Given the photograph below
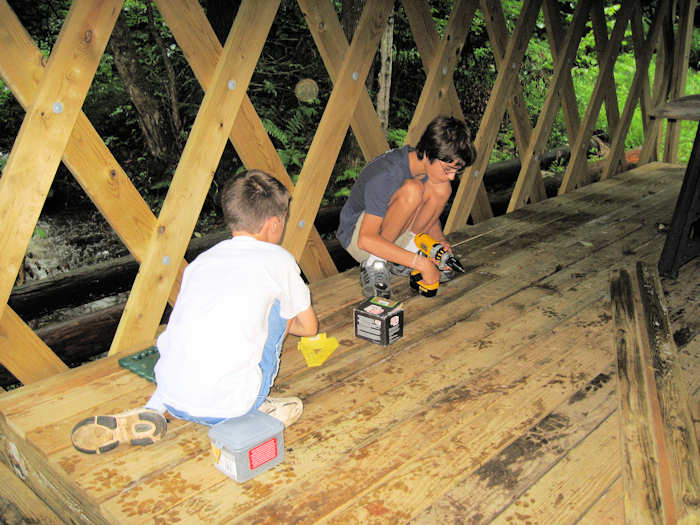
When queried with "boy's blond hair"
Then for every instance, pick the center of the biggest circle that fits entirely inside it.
(250, 198)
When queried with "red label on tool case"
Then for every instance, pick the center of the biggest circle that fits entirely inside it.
(263, 453)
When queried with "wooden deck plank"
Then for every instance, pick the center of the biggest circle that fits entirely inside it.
(456, 422)
(574, 484)
(608, 509)
(525, 460)
(485, 369)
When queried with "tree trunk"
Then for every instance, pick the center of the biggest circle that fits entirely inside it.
(171, 84)
(384, 80)
(153, 125)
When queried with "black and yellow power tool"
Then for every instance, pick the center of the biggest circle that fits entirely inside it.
(437, 253)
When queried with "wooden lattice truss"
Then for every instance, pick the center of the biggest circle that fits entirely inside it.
(55, 129)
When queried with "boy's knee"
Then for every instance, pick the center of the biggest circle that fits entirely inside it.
(442, 191)
(409, 195)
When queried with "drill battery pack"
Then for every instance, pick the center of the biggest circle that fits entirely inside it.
(426, 290)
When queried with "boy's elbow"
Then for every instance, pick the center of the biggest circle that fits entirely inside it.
(306, 324)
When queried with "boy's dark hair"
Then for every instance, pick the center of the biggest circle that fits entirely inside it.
(251, 197)
(447, 139)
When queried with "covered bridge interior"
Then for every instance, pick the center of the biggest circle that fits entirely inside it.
(520, 393)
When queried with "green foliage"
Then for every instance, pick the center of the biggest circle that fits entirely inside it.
(396, 137)
(291, 140)
(346, 180)
(40, 232)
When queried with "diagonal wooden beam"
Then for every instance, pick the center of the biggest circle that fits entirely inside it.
(322, 20)
(46, 129)
(662, 78)
(495, 109)
(86, 155)
(579, 148)
(428, 42)
(617, 146)
(638, 42)
(441, 70)
(23, 353)
(600, 33)
(538, 143)
(498, 31)
(28, 176)
(555, 33)
(684, 37)
(88, 159)
(201, 47)
(193, 174)
(334, 123)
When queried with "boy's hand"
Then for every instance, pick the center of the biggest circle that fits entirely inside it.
(429, 272)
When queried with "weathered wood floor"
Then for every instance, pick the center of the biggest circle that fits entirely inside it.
(498, 404)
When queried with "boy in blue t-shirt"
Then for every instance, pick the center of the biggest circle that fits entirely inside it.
(399, 194)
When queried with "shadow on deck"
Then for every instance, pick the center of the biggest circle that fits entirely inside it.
(497, 405)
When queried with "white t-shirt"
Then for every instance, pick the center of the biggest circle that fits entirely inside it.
(210, 350)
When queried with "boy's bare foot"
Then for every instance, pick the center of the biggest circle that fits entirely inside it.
(286, 409)
(100, 434)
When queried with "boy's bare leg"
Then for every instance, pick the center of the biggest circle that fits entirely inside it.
(434, 199)
(403, 208)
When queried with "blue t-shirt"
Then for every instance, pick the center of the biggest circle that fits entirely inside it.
(373, 190)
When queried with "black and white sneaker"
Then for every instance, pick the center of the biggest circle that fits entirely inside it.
(375, 279)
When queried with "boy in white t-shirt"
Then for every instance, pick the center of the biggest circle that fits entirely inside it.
(219, 354)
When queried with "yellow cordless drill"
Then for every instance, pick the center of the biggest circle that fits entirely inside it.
(437, 253)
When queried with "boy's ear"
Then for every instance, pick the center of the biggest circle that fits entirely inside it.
(272, 226)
